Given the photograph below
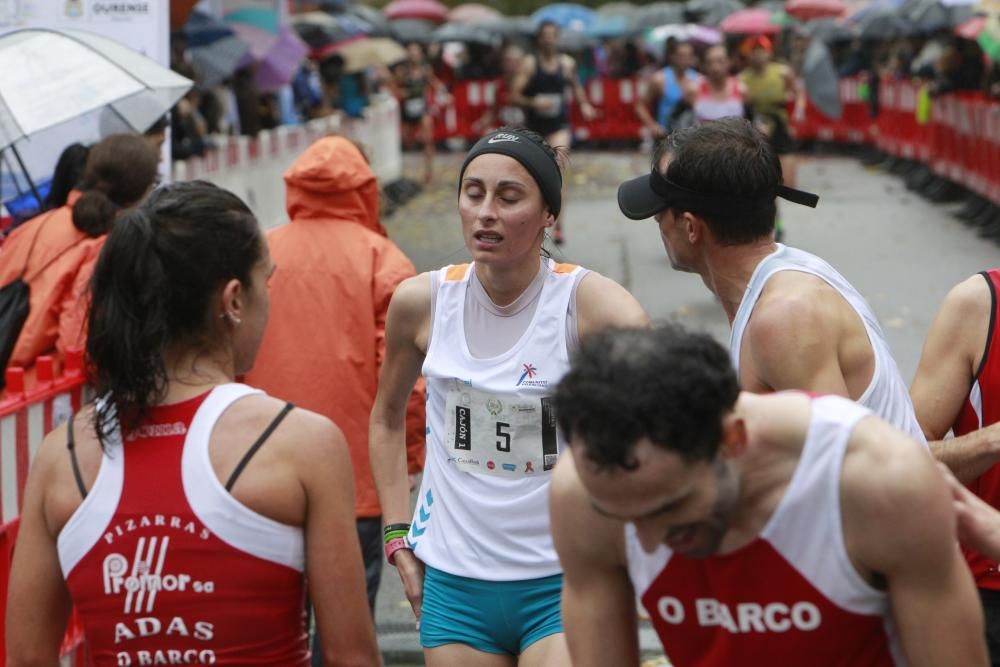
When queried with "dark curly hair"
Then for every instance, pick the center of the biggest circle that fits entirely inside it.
(665, 383)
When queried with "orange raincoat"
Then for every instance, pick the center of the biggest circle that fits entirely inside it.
(336, 271)
(57, 312)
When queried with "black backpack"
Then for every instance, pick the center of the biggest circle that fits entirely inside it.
(15, 299)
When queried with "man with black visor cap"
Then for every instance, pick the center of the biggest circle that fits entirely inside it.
(796, 322)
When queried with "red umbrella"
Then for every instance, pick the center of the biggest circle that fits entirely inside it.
(750, 22)
(473, 12)
(972, 28)
(429, 10)
(807, 10)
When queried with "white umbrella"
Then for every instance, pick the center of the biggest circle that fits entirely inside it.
(51, 80)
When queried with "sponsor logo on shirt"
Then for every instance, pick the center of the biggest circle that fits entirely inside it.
(158, 431)
(141, 582)
(527, 377)
(510, 467)
(491, 465)
(743, 617)
(528, 467)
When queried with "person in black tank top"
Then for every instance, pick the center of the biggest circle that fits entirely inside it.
(413, 78)
(540, 88)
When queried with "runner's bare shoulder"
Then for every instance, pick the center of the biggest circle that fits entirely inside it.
(570, 507)
(892, 496)
(410, 309)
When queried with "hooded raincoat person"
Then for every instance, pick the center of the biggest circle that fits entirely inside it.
(54, 258)
(324, 344)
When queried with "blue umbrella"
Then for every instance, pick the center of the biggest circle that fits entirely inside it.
(566, 15)
(607, 26)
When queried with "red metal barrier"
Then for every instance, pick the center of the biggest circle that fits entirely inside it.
(26, 416)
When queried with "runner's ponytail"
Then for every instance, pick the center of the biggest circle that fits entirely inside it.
(152, 288)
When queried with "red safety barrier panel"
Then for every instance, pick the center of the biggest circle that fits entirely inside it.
(26, 416)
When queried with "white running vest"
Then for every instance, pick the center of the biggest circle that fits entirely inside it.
(492, 439)
(887, 395)
(791, 596)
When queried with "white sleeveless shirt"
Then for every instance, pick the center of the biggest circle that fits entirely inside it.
(791, 596)
(492, 439)
(887, 394)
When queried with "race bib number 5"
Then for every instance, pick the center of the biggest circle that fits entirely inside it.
(501, 435)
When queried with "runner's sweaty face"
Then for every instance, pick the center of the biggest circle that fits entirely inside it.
(686, 505)
(502, 211)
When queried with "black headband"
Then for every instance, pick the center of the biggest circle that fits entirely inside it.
(542, 166)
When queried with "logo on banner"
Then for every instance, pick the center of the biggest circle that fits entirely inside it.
(120, 10)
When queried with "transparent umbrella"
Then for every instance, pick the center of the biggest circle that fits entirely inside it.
(55, 85)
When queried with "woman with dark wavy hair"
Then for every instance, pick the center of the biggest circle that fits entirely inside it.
(182, 513)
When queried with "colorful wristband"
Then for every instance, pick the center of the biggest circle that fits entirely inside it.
(396, 526)
(393, 546)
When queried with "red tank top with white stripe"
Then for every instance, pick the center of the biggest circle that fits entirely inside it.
(789, 597)
(982, 408)
(165, 567)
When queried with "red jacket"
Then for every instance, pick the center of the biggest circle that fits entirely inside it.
(336, 271)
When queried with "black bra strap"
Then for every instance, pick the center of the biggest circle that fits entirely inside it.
(71, 446)
(257, 445)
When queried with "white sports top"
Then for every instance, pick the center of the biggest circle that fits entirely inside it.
(887, 395)
(792, 595)
(492, 440)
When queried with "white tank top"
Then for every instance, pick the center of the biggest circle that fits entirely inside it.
(492, 440)
(708, 105)
(792, 596)
(886, 395)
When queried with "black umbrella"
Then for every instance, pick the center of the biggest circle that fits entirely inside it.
(884, 25)
(928, 16)
(710, 12)
(465, 33)
(510, 27)
(827, 31)
(411, 30)
(820, 79)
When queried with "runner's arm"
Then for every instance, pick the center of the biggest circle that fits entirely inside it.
(334, 567)
(899, 525)
(38, 602)
(646, 101)
(792, 344)
(602, 303)
(952, 353)
(406, 324)
(391, 268)
(520, 82)
(598, 602)
(569, 71)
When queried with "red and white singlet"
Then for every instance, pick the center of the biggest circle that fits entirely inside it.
(791, 596)
(165, 567)
(982, 408)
